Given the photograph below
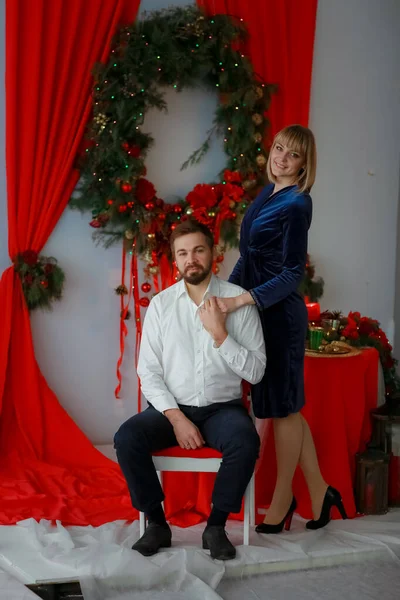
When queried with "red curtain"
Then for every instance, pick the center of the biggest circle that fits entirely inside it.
(48, 468)
(280, 47)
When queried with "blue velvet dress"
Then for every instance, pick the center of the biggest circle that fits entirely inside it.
(273, 254)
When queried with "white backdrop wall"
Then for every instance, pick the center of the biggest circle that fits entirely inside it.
(354, 113)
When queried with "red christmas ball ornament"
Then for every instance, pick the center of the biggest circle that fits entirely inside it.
(146, 287)
(162, 216)
(122, 208)
(126, 187)
(130, 204)
(177, 209)
(173, 226)
(95, 223)
(44, 284)
(149, 205)
(125, 146)
(134, 151)
(144, 302)
(233, 215)
(220, 258)
(110, 202)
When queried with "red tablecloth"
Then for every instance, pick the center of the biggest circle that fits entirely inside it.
(340, 392)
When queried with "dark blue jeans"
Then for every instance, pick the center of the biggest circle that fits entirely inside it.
(226, 427)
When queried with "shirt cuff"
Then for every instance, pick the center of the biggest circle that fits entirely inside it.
(164, 403)
(229, 348)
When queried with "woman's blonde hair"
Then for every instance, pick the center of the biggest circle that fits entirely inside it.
(301, 140)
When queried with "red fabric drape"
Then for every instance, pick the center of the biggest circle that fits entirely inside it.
(49, 469)
(280, 46)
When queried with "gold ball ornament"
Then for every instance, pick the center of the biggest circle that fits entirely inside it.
(249, 184)
(257, 137)
(257, 119)
(129, 234)
(211, 213)
(189, 211)
(261, 160)
(232, 204)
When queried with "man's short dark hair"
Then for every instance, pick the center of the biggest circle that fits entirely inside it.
(191, 226)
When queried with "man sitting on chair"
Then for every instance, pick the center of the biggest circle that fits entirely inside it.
(192, 360)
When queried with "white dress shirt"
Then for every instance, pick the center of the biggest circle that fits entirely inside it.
(179, 362)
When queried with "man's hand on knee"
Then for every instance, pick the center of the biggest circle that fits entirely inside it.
(186, 433)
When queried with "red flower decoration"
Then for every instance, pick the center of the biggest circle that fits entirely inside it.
(233, 192)
(145, 191)
(203, 196)
(201, 215)
(30, 257)
(232, 176)
(355, 316)
(134, 151)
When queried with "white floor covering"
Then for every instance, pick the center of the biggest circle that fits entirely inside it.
(355, 559)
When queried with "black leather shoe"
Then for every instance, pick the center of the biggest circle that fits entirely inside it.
(155, 537)
(332, 498)
(216, 540)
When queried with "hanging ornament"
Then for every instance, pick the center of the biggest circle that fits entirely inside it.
(161, 216)
(121, 290)
(151, 236)
(95, 223)
(146, 287)
(177, 209)
(257, 119)
(122, 208)
(257, 137)
(211, 213)
(110, 202)
(144, 302)
(125, 146)
(259, 92)
(129, 234)
(44, 283)
(173, 226)
(189, 211)
(261, 160)
(130, 204)
(126, 187)
(149, 205)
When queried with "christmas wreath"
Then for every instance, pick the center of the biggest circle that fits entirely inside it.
(42, 279)
(177, 47)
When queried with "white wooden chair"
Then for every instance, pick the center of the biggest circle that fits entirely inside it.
(203, 460)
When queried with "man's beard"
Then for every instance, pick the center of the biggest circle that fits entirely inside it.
(197, 277)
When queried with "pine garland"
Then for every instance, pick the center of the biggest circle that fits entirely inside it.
(178, 47)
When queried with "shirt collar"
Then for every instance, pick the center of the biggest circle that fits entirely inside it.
(212, 289)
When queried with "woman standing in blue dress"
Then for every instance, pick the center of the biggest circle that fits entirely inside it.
(273, 251)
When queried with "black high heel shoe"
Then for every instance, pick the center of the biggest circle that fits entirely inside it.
(332, 498)
(286, 521)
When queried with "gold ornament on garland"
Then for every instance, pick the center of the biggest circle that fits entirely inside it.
(129, 234)
(257, 137)
(259, 92)
(261, 160)
(257, 119)
(249, 184)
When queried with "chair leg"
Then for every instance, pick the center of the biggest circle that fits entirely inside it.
(246, 516)
(252, 501)
(142, 524)
(160, 479)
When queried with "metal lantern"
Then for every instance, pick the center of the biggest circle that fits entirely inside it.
(372, 481)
